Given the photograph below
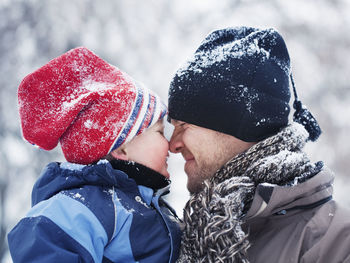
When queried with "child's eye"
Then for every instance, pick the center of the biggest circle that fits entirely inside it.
(161, 131)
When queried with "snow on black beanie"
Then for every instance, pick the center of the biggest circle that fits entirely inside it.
(237, 83)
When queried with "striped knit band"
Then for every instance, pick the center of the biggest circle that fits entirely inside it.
(147, 110)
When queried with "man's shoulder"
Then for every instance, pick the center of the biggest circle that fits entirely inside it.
(320, 234)
(327, 235)
(332, 215)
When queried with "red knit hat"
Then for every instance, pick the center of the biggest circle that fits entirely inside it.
(86, 104)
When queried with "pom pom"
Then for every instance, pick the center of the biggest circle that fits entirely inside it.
(303, 116)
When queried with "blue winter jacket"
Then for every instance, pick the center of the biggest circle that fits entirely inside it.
(95, 213)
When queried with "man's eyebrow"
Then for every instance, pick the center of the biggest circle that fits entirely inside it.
(178, 123)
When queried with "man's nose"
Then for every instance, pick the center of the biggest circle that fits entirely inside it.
(175, 144)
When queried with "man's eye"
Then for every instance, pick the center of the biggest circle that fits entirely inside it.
(182, 125)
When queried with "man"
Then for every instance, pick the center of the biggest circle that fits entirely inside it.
(255, 195)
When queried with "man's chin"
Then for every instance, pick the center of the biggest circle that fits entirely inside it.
(194, 188)
(194, 184)
(195, 178)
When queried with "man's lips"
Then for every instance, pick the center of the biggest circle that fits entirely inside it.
(188, 158)
(189, 163)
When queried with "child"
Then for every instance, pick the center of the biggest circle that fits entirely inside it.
(105, 204)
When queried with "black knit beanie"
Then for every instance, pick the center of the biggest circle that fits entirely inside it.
(237, 83)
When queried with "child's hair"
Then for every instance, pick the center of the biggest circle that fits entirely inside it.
(86, 104)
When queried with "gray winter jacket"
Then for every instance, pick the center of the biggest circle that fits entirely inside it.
(298, 223)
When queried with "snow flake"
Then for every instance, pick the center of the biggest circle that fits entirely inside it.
(263, 120)
(88, 124)
(87, 87)
(139, 200)
(285, 157)
(236, 49)
(242, 94)
(72, 166)
(103, 161)
(77, 195)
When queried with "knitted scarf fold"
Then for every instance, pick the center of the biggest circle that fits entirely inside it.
(214, 216)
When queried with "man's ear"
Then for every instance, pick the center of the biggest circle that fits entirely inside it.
(120, 154)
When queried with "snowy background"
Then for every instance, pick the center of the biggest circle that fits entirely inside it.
(149, 40)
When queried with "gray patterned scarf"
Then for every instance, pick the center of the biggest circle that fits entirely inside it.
(214, 216)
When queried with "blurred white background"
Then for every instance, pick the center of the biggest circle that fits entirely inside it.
(149, 40)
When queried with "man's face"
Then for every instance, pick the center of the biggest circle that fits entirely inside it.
(204, 151)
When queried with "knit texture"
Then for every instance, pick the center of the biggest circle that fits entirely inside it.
(214, 216)
(87, 105)
(237, 82)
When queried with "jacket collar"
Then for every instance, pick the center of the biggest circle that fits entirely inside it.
(62, 176)
(141, 174)
(272, 199)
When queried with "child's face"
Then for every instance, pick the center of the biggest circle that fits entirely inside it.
(150, 148)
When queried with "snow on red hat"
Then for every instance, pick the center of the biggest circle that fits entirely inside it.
(86, 104)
